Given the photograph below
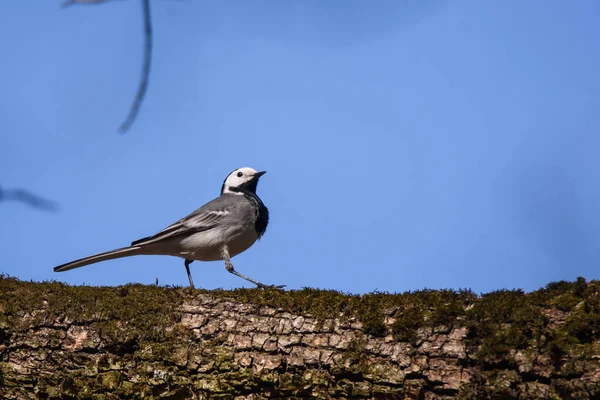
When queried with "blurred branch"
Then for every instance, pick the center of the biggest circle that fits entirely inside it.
(68, 3)
(143, 85)
(30, 199)
(141, 92)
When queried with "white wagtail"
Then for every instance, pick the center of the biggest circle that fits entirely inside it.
(219, 230)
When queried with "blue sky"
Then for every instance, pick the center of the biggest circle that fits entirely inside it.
(408, 144)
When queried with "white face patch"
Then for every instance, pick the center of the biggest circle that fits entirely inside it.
(237, 178)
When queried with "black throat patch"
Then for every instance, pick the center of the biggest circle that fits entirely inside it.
(248, 189)
(262, 213)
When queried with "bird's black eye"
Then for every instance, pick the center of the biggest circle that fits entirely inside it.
(240, 174)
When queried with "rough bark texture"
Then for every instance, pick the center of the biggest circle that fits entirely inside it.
(63, 342)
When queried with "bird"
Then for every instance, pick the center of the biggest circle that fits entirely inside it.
(219, 230)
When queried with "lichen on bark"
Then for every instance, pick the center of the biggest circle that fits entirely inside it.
(135, 341)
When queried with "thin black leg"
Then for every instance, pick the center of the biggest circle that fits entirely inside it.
(187, 268)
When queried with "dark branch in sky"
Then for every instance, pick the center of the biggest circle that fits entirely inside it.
(141, 92)
(68, 3)
(28, 198)
(143, 85)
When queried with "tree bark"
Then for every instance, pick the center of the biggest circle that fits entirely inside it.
(135, 341)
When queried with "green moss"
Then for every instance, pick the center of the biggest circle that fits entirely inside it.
(354, 355)
(389, 392)
(503, 320)
(316, 378)
(414, 309)
(242, 380)
(289, 383)
(373, 322)
(430, 308)
(223, 358)
(407, 322)
(147, 310)
(123, 317)
(109, 380)
(584, 323)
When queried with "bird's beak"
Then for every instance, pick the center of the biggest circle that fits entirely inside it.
(259, 174)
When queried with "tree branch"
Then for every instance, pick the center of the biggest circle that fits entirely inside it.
(143, 85)
(68, 3)
(28, 198)
(144, 341)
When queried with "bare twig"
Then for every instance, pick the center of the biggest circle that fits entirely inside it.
(141, 92)
(68, 3)
(143, 85)
(28, 198)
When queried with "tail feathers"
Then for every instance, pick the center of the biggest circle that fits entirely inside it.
(109, 255)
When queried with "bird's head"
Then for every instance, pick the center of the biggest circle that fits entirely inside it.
(241, 180)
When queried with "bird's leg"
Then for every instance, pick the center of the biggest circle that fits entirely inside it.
(187, 268)
(229, 268)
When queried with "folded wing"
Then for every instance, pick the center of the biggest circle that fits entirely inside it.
(200, 220)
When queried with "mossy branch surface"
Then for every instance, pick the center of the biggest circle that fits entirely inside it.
(135, 341)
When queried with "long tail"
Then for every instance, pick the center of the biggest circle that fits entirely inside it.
(109, 255)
